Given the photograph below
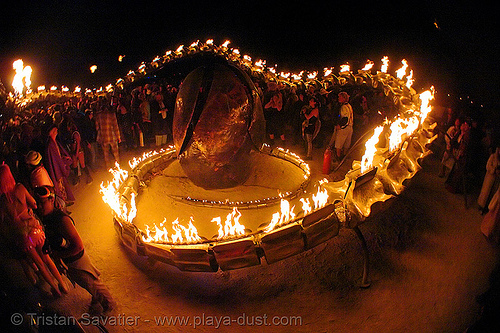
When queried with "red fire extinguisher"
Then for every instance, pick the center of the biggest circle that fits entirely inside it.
(327, 161)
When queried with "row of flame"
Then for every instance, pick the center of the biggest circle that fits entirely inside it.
(400, 128)
(22, 78)
(229, 228)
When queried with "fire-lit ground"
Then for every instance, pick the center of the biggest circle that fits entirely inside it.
(163, 196)
(429, 261)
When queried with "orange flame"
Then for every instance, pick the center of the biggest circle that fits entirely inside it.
(370, 149)
(306, 205)
(400, 73)
(111, 195)
(327, 71)
(400, 129)
(320, 199)
(425, 106)
(385, 64)
(368, 66)
(22, 78)
(284, 215)
(231, 226)
(345, 68)
(181, 234)
(410, 79)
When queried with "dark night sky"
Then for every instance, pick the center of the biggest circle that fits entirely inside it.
(60, 40)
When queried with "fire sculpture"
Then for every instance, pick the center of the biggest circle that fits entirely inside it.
(293, 228)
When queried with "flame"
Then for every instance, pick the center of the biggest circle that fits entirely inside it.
(368, 66)
(181, 234)
(320, 199)
(93, 68)
(179, 49)
(111, 195)
(64, 89)
(410, 79)
(209, 42)
(22, 78)
(345, 68)
(306, 205)
(400, 129)
(285, 75)
(425, 106)
(120, 57)
(385, 64)
(231, 226)
(327, 71)
(136, 160)
(53, 88)
(370, 149)
(284, 215)
(312, 76)
(400, 73)
(260, 63)
(190, 233)
(226, 43)
(298, 77)
(77, 89)
(41, 88)
(142, 67)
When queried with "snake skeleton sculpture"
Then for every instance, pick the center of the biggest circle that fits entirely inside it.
(218, 121)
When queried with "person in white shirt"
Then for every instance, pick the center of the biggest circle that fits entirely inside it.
(343, 130)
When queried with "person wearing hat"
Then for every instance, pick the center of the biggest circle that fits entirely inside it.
(37, 173)
(39, 176)
(344, 129)
(65, 243)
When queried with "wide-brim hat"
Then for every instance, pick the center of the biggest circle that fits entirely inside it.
(33, 158)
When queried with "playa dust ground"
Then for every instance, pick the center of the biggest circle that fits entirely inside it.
(429, 262)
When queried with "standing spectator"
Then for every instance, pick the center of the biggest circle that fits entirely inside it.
(456, 179)
(108, 135)
(86, 126)
(311, 124)
(137, 117)
(492, 173)
(77, 154)
(273, 112)
(490, 226)
(159, 119)
(297, 117)
(450, 138)
(344, 129)
(58, 165)
(65, 243)
(145, 109)
(124, 118)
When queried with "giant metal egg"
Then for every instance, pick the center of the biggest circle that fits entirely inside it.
(218, 119)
